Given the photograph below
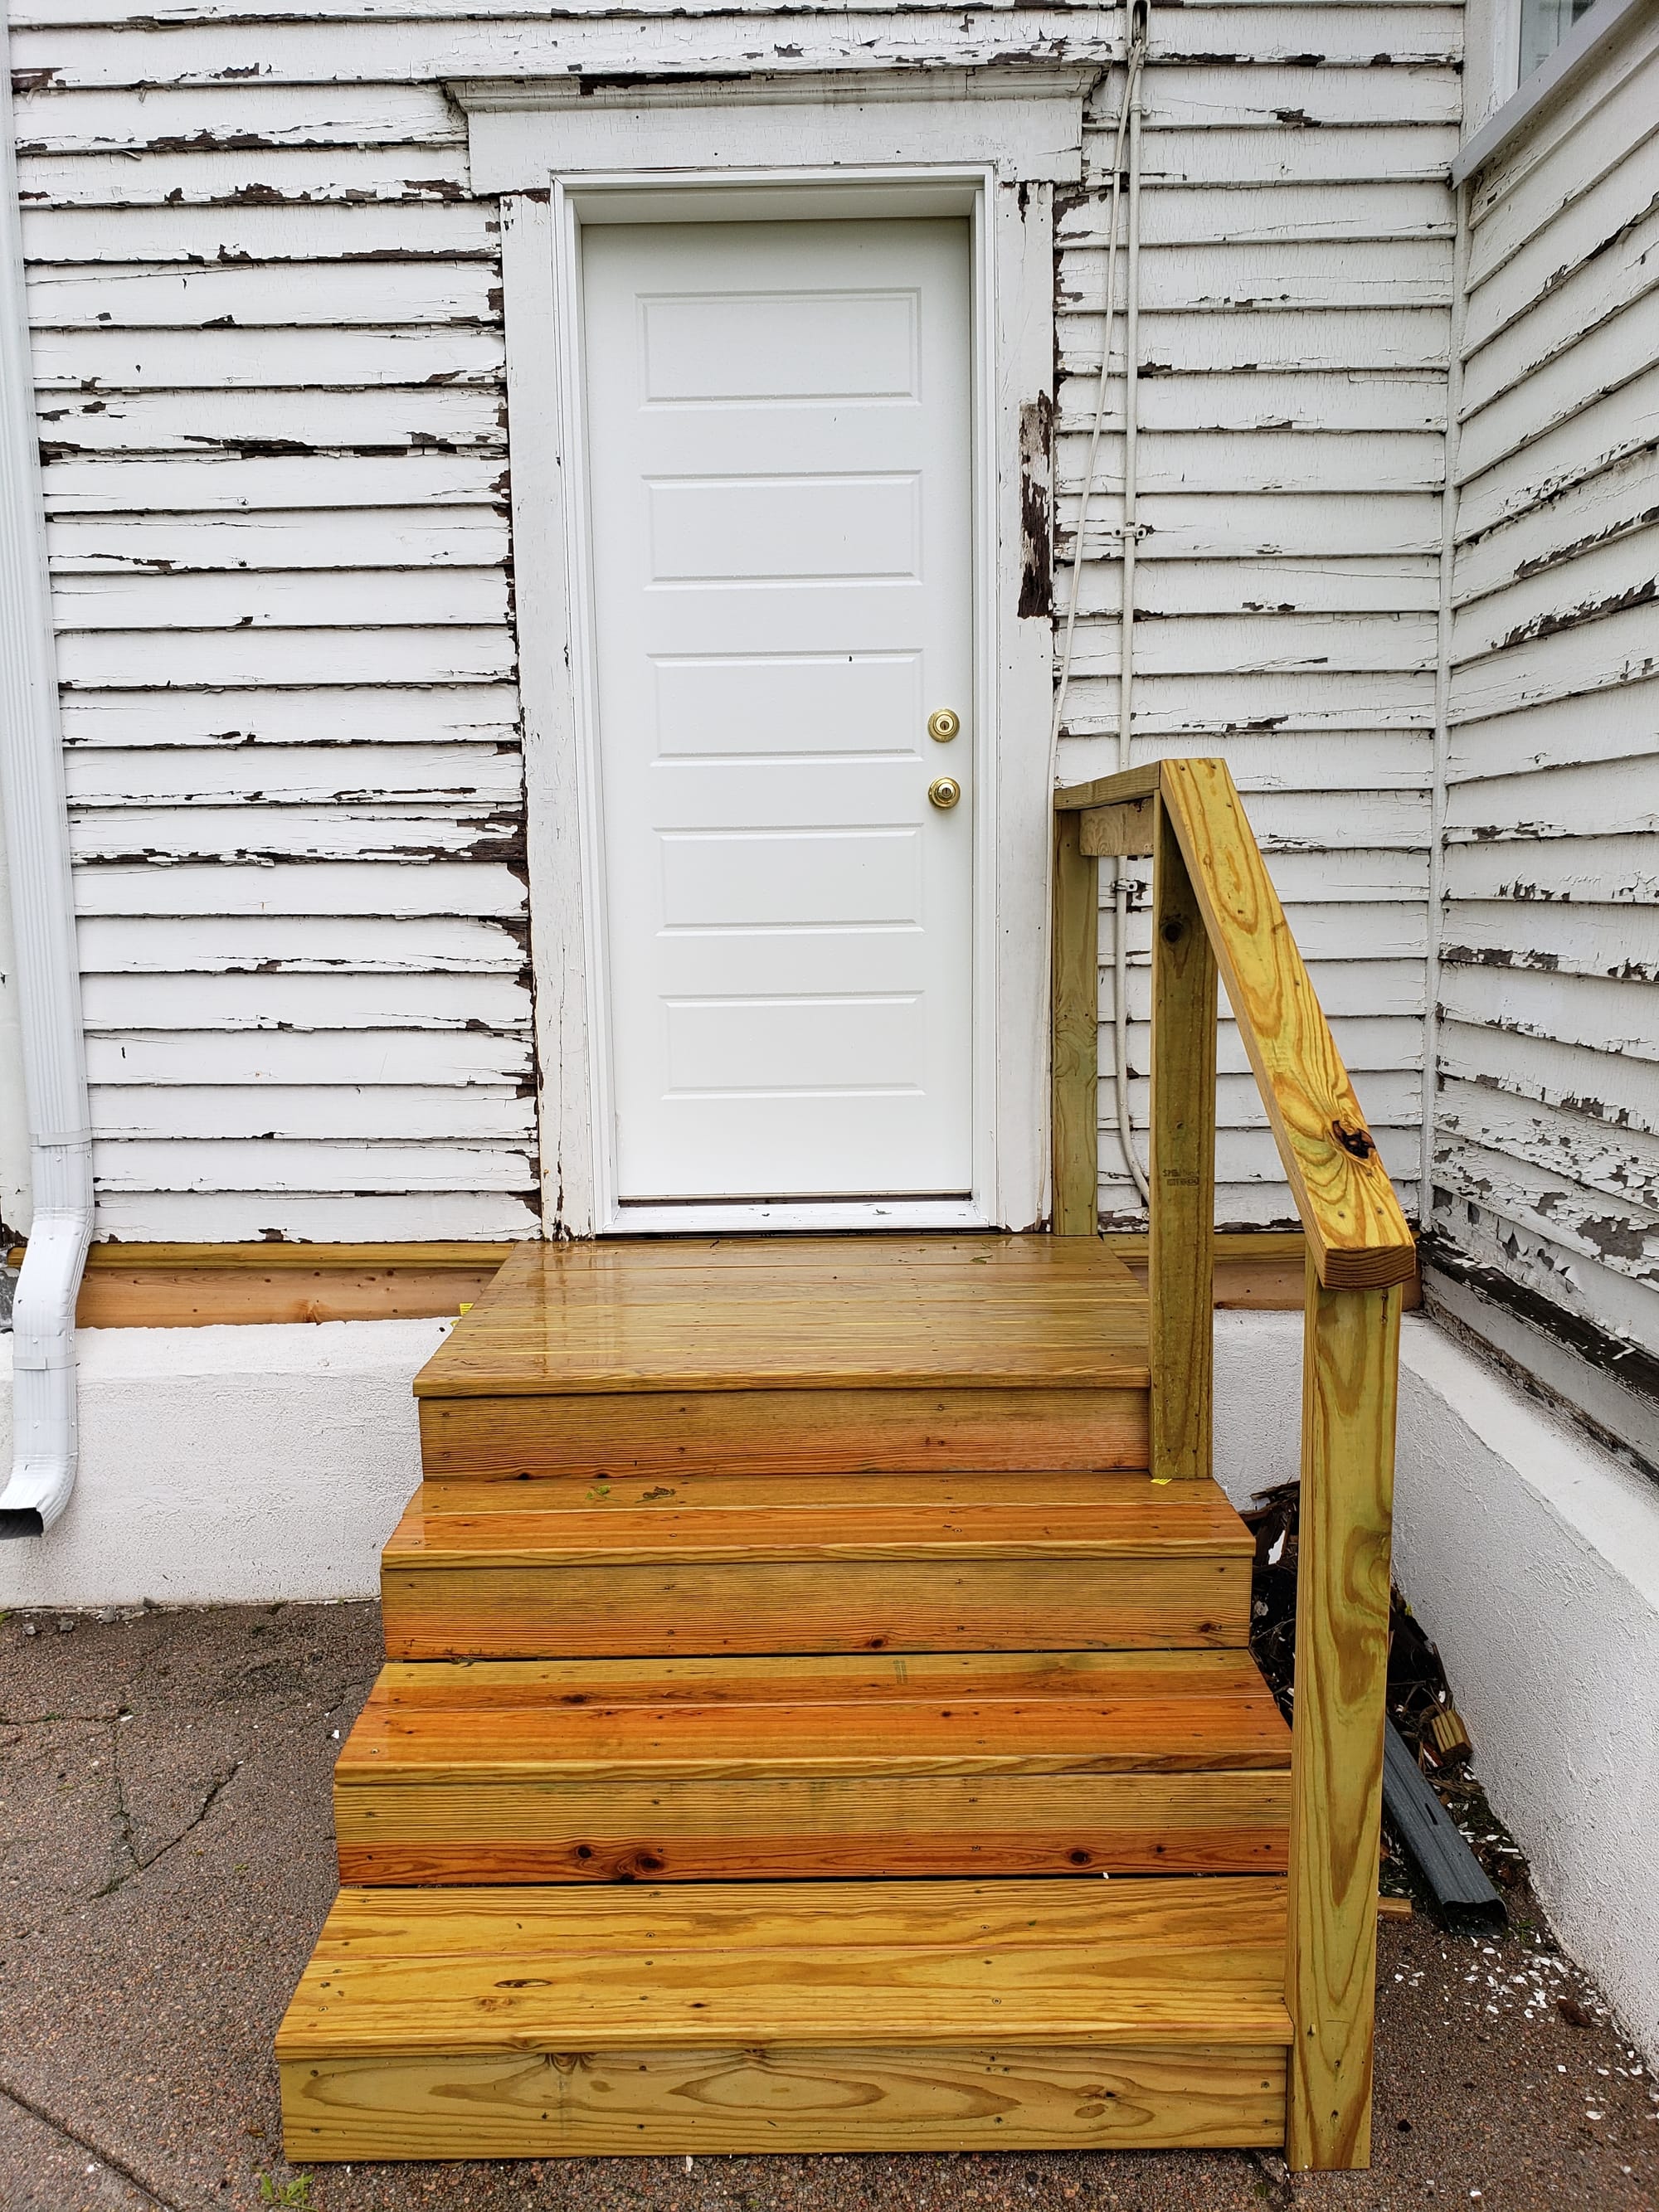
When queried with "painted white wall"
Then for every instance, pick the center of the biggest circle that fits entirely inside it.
(1532, 1558)
(229, 1465)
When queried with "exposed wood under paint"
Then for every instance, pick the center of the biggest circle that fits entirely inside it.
(1545, 1175)
(1293, 211)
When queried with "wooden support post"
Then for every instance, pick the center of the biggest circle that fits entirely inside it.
(1076, 1047)
(1181, 1280)
(1351, 1364)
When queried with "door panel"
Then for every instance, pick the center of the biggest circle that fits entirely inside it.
(780, 470)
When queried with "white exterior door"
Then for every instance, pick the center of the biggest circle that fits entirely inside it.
(780, 471)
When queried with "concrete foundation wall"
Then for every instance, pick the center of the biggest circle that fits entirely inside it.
(1532, 1558)
(229, 1465)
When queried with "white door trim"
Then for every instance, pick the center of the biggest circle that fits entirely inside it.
(822, 155)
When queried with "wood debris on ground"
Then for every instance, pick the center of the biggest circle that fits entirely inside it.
(1420, 1703)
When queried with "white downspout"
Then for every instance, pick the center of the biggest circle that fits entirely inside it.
(36, 828)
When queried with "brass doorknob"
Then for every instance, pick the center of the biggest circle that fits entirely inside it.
(944, 791)
(943, 725)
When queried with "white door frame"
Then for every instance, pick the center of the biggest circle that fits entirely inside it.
(986, 143)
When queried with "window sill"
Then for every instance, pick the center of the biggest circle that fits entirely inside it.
(1582, 45)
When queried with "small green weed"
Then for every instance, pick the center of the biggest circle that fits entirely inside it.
(295, 2194)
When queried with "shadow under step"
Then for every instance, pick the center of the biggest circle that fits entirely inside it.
(504, 2023)
(765, 1565)
(944, 1763)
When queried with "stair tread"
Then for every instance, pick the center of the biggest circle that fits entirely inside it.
(801, 1314)
(946, 1963)
(1145, 1719)
(1128, 1517)
(823, 1677)
(630, 1491)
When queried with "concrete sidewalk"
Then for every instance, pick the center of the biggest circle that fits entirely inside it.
(168, 1859)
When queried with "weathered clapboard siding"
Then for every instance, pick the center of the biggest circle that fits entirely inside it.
(268, 343)
(1546, 1153)
(1296, 279)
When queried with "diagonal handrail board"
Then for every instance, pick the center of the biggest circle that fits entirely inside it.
(1357, 1232)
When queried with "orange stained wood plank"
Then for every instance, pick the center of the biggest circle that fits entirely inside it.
(825, 1678)
(911, 1603)
(204, 1296)
(785, 1431)
(1145, 1733)
(703, 1491)
(714, 1744)
(863, 1827)
(1131, 1518)
(397, 1974)
(799, 1314)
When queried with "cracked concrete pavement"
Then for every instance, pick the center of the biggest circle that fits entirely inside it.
(165, 1859)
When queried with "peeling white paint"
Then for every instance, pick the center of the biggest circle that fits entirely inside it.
(1545, 1137)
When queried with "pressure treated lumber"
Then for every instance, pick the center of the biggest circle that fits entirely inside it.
(578, 1575)
(1355, 1228)
(1123, 832)
(1261, 1270)
(1349, 1383)
(1074, 1062)
(783, 1431)
(754, 2097)
(1126, 787)
(203, 1285)
(775, 1767)
(514, 2022)
(863, 1314)
(1181, 1169)
(1356, 1232)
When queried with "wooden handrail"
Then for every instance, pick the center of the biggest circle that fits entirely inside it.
(1356, 1230)
(1215, 912)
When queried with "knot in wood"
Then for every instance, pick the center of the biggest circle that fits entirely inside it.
(1353, 1140)
(1173, 931)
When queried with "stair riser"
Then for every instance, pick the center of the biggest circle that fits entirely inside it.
(778, 1830)
(670, 2102)
(862, 1605)
(785, 1433)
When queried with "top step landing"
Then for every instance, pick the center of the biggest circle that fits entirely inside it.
(814, 1313)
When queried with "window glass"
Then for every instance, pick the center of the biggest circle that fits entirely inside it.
(1544, 24)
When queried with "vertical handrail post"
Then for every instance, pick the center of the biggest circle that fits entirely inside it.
(1350, 1379)
(1181, 1288)
(1075, 1067)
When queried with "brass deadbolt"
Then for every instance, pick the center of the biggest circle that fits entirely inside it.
(944, 791)
(943, 725)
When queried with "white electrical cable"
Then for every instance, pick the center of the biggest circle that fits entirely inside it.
(1127, 141)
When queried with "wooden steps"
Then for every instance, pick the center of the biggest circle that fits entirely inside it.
(761, 1565)
(773, 1611)
(849, 1353)
(1017, 1763)
(752, 2017)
